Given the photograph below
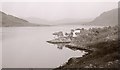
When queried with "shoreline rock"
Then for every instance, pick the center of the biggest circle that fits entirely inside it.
(59, 40)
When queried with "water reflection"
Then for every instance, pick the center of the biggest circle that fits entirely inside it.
(60, 46)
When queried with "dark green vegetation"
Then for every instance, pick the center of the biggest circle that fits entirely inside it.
(95, 35)
(102, 45)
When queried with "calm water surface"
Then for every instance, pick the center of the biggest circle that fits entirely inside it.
(26, 47)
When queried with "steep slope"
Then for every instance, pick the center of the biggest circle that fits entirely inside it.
(12, 21)
(109, 18)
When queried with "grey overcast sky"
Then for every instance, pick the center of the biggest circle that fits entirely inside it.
(57, 10)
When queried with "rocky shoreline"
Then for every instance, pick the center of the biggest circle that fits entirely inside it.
(102, 47)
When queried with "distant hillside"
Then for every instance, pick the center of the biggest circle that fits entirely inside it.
(72, 21)
(12, 21)
(65, 21)
(109, 18)
(38, 21)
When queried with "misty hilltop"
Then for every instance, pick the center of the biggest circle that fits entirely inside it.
(12, 21)
(108, 18)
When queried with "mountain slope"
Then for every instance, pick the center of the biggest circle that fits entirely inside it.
(12, 21)
(109, 18)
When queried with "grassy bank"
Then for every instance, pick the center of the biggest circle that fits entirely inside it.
(102, 45)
